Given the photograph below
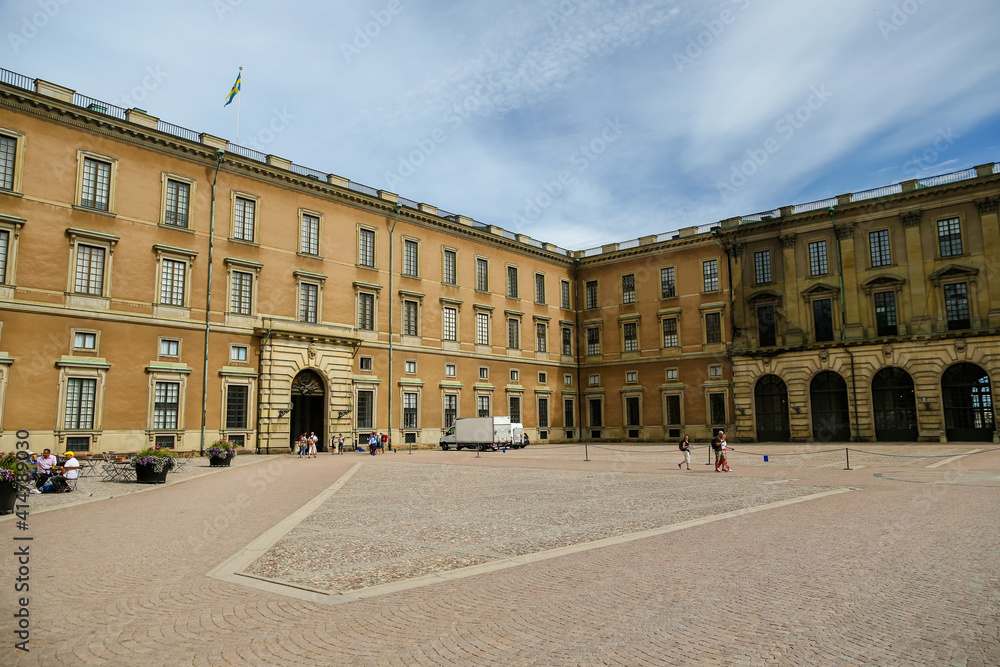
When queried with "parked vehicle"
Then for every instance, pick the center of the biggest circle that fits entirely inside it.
(517, 435)
(480, 433)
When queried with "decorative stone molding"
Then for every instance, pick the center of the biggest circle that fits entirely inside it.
(987, 205)
(911, 218)
(845, 231)
(787, 241)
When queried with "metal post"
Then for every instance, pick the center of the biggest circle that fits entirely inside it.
(847, 452)
(399, 207)
(586, 451)
(208, 304)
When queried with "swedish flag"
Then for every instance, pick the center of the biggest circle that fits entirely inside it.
(236, 88)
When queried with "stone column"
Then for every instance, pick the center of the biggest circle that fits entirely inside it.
(852, 319)
(739, 302)
(920, 311)
(991, 250)
(793, 318)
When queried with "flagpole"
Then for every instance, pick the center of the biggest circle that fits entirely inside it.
(239, 94)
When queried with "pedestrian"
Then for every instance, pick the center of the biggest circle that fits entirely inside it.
(313, 441)
(340, 444)
(722, 444)
(384, 441)
(717, 448)
(303, 445)
(685, 446)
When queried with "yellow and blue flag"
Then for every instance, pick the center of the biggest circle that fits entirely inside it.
(236, 88)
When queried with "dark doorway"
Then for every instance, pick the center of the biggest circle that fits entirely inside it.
(828, 403)
(308, 407)
(968, 403)
(771, 401)
(894, 405)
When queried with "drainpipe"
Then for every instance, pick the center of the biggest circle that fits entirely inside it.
(576, 317)
(399, 207)
(843, 325)
(208, 304)
(732, 320)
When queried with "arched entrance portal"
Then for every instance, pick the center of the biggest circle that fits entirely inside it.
(894, 405)
(968, 404)
(771, 401)
(828, 400)
(308, 407)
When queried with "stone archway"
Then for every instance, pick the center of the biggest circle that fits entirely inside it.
(894, 405)
(968, 403)
(831, 420)
(308, 407)
(771, 403)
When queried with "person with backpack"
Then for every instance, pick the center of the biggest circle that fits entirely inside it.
(717, 448)
(685, 446)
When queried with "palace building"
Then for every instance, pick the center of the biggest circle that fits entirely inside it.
(163, 286)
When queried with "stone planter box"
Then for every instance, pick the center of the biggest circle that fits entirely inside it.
(219, 461)
(148, 475)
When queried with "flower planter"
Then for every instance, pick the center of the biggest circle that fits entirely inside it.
(219, 461)
(8, 497)
(147, 475)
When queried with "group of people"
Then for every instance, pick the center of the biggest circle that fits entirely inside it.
(307, 445)
(42, 472)
(719, 446)
(377, 442)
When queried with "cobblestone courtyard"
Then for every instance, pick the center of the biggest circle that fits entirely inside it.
(534, 557)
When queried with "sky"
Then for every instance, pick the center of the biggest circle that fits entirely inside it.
(576, 122)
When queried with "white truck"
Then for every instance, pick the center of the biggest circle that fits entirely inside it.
(480, 433)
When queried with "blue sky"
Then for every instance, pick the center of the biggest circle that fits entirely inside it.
(577, 122)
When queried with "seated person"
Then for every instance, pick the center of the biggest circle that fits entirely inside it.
(46, 468)
(58, 483)
(31, 466)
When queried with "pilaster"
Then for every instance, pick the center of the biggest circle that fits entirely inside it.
(793, 321)
(849, 271)
(921, 320)
(991, 249)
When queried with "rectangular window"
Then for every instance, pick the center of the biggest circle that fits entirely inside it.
(713, 328)
(450, 410)
(512, 281)
(409, 410)
(668, 284)
(172, 282)
(90, 270)
(567, 341)
(956, 306)
(515, 409)
(365, 363)
(242, 293)
(8, 150)
(631, 376)
(630, 336)
(595, 380)
(80, 399)
(632, 411)
(484, 372)
(310, 234)
(717, 409)
(410, 366)
(244, 219)
(564, 294)
(765, 326)
(513, 333)
(366, 247)
(96, 191)
(715, 371)
(450, 267)
(628, 288)
(541, 337)
(449, 327)
(542, 377)
(672, 374)
(568, 380)
(411, 266)
(543, 412)
(670, 332)
(450, 370)
(170, 347)
(238, 353)
(482, 328)
(366, 311)
(885, 313)
(762, 266)
(308, 302)
(595, 412)
(366, 409)
(878, 243)
(539, 288)
(482, 405)
(178, 199)
(568, 416)
(823, 319)
(950, 237)
(482, 275)
(409, 318)
(237, 404)
(593, 341)
(818, 265)
(166, 397)
(83, 340)
(592, 298)
(673, 407)
(710, 275)
(4, 249)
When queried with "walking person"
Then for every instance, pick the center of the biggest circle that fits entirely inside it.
(303, 446)
(722, 444)
(313, 440)
(383, 442)
(685, 446)
(717, 448)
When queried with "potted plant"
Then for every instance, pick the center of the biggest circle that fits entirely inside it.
(13, 480)
(152, 465)
(221, 453)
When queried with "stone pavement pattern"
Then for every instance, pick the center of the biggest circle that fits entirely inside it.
(905, 570)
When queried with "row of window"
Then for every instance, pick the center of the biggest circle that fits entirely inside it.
(949, 234)
(668, 284)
